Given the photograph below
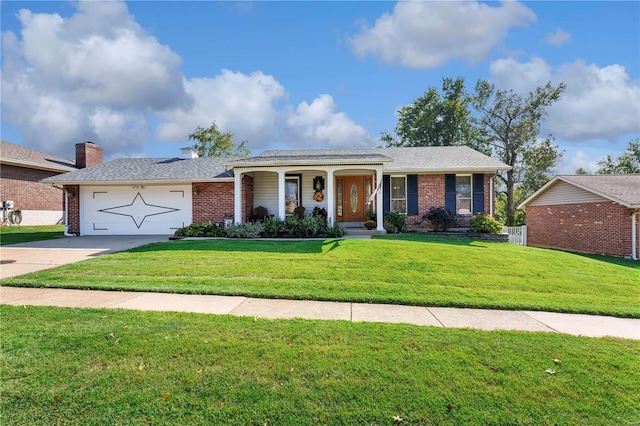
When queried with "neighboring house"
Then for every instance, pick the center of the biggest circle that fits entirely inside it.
(157, 196)
(586, 213)
(21, 170)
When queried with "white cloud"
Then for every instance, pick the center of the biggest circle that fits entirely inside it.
(430, 33)
(319, 124)
(579, 160)
(239, 103)
(558, 38)
(598, 103)
(64, 76)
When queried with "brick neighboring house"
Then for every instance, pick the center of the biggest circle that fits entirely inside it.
(586, 213)
(22, 169)
(159, 195)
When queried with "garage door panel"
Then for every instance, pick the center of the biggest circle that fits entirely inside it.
(136, 211)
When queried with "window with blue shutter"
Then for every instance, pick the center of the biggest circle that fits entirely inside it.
(412, 194)
(386, 193)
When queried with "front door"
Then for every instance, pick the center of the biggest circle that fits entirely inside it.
(354, 199)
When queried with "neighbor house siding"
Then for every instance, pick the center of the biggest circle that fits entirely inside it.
(565, 193)
(214, 201)
(601, 227)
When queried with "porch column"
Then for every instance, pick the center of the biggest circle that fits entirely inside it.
(281, 194)
(379, 201)
(237, 196)
(331, 208)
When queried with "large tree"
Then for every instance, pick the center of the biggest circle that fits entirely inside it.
(511, 123)
(627, 162)
(211, 142)
(437, 119)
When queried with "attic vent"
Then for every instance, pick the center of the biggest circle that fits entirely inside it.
(187, 153)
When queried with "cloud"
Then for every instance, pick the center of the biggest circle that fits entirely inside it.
(558, 38)
(598, 103)
(238, 103)
(319, 124)
(429, 34)
(77, 78)
(579, 160)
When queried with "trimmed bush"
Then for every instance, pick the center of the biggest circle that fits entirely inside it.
(273, 226)
(440, 218)
(395, 222)
(486, 225)
(245, 230)
(204, 229)
(335, 230)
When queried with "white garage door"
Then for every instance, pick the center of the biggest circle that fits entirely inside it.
(127, 210)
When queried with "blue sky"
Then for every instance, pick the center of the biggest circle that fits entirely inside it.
(137, 77)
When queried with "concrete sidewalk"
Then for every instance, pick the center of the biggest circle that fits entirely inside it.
(484, 319)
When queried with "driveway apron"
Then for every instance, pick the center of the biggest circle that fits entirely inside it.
(19, 259)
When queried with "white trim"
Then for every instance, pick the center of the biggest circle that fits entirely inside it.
(331, 207)
(237, 197)
(281, 194)
(470, 212)
(380, 200)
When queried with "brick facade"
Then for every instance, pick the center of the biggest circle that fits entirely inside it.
(213, 202)
(20, 184)
(603, 228)
(431, 193)
(74, 208)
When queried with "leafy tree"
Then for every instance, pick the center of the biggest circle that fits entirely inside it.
(511, 122)
(627, 162)
(437, 119)
(211, 142)
(582, 171)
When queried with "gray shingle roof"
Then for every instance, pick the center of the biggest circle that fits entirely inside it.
(426, 159)
(619, 188)
(18, 155)
(148, 170)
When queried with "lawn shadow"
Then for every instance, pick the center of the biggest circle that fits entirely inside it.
(452, 241)
(287, 246)
(628, 263)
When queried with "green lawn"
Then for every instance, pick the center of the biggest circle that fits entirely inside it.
(418, 270)
(24, 234)
(102, 367)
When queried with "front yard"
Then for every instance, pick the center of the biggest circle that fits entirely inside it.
(25, 234)
(416, 270)
(99, 367)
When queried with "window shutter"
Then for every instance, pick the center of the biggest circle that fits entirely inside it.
(478, 193)
(412, 194)
(450, 193)
(386, 193)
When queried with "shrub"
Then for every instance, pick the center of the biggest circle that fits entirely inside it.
(273, 226)
(335, 230)
(486, 224)
(440, 218)
(306, 227)
(394, 222)
(370, 223)
(204, 229)
(245, 230)
(319, 212)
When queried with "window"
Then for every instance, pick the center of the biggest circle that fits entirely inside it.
(463, 194)
(291, 193)
(399, 194)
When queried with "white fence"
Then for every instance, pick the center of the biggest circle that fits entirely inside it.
(517, 234)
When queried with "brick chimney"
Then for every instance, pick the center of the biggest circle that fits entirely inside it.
(88, 154)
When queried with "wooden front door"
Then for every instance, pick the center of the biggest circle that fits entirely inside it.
(354, 199)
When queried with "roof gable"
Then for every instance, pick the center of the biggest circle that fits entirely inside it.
(622, 189)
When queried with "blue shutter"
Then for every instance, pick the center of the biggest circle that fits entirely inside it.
(386, 193)
(450, 193)
(412, 194)
(478, 194)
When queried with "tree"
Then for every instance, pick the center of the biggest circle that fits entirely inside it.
(627, 162)
(511, 123)
(213, 143)
(437, 119)
(581, 171)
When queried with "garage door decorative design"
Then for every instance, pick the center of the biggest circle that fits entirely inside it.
(138, 207)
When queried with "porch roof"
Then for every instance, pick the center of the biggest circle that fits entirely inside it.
(312, 158)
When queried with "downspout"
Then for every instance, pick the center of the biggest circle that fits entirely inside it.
(634, 233)
(491, 195)
(66, 215)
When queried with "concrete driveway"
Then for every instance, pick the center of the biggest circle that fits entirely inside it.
(19, 259)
